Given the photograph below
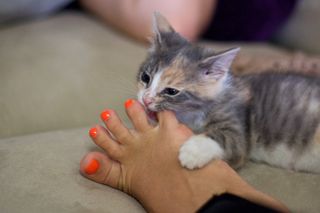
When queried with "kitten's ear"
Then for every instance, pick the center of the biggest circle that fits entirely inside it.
(218, 65)
(164, 36)
(160, 25)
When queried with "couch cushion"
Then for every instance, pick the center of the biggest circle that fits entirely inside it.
(40, 173)
(60, 72)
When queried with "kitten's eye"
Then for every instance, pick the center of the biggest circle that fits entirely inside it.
(170, 91)
(145, 78)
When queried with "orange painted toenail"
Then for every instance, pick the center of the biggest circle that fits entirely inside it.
(92, 167)
(93, 132)
(128, 103)
(105, 115)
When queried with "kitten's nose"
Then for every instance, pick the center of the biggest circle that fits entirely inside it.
(147, 101)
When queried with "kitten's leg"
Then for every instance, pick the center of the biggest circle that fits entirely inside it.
(201, 149)
(309, 161)
(198, 150)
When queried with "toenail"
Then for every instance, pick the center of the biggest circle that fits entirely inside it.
(128, 103)
(93, 132)
(105, 115)
(92, 167)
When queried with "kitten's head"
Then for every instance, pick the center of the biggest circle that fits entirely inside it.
(177, 75)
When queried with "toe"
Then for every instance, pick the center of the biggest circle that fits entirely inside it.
(103, 139)
(137, 115)
(115, 126)
(100, 168)
(167, 120)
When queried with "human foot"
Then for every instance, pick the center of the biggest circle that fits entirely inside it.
(143, 162)
(137, 160)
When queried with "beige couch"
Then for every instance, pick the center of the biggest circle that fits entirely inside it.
(57, 75)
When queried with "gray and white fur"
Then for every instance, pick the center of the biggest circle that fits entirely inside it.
(270, 117)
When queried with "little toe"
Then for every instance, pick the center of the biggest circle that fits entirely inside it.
(137, 115)
(100, 168)
(103, 139)
(115, 125)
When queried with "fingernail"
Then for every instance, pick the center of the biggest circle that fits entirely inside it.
(128, 103)
(105, 115)
(93, 132)
(92, 167)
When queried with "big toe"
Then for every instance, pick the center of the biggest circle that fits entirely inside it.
(100, 168)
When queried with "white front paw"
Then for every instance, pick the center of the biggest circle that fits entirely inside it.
(198, 150)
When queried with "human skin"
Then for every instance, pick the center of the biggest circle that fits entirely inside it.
(133, 17)
(143, 162)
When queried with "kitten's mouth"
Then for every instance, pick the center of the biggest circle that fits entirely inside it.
(152, 115)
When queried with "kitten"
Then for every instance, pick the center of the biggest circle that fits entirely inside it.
(270, 117)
